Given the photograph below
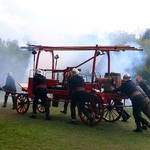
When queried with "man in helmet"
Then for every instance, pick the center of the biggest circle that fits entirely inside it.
(40, 92)
(130, 89)
(77, 96)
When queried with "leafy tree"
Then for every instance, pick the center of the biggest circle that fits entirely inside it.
(121, 38)
(126, 59)
(144, 69)
(140, 66)
(13, 59)
(146, 35)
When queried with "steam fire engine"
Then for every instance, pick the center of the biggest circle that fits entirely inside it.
(101, 103)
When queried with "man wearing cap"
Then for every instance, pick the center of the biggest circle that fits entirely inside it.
(77, 96)
(9, 88)
(40, 92)
(130, 89)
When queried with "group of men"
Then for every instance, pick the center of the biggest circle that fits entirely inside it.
(77, 95)
(39, 91)
(139, 94)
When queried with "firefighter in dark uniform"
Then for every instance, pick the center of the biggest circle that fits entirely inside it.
(146, 105)
(67, 75)
(129, 88)
(40, 92)
(144, 85)
(9, 88)
(77, 96)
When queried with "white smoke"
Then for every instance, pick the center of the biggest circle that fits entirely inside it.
(121, 62)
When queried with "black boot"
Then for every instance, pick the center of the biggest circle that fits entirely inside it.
(47, 117)
(33, 116)
(125, 116)
(148, 125)
(5, 101)
(138, 130)
(13, 100)
(72, 121)
(144, 127)
(13, 107)
(63, 111)
(91, 121)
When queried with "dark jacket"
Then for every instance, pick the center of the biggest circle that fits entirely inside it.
(127, 87)
(141, 90)
(10, 84)
(74, 82)
(39, 84)
(146, 88)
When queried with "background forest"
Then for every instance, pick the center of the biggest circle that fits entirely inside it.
(17, 60)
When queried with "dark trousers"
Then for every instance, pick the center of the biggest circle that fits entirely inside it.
(125, 115)
(6, 98)
(66, 106)
(146, 107)
(137, 104)
(44, 101)
(78, 98)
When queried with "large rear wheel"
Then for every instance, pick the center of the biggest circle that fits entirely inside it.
(94, 106)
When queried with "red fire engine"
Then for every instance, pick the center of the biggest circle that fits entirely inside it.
(101, 103)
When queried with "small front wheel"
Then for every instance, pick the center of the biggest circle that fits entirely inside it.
(22, 103)
(112, 111)
(40, 107)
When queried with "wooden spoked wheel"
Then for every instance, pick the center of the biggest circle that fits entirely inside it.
(112, 111)
(94, 106)
(22, 103)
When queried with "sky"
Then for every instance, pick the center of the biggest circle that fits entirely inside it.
(58, 22)
(72, 22)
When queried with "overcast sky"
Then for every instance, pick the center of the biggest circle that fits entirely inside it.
(52, 22)
(73, 22)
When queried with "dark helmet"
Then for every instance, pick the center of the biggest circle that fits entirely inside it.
(126, 77)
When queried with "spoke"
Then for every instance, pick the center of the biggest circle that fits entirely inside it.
(106, 113)
(115, 112)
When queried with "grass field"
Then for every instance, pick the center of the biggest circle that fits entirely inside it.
(19, 132)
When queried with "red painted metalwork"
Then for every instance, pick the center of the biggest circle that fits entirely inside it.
(97, 99)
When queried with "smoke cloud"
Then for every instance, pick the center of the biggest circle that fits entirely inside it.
(121, 62)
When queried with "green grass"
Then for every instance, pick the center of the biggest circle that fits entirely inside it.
(19, 132)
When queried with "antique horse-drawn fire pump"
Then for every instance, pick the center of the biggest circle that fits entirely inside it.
(101, 103)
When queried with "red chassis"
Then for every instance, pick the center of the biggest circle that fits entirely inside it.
(101, 103)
